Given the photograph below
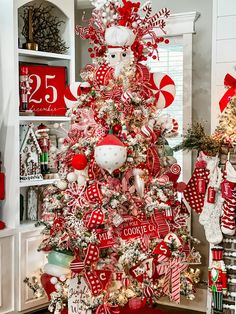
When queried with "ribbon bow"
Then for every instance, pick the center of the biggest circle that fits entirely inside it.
(229, 81)
(86, 120)
(90, 276)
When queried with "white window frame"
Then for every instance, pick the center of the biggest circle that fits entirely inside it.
(183, 25)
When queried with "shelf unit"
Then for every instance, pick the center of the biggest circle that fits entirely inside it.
(43, 118)
(37, 183)
(42, 54)
(19, 242)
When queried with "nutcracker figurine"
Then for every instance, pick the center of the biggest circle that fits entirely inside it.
(217, 279)
(42, 134)
(24, 87)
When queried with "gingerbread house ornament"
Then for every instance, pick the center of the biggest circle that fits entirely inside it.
(29, 154)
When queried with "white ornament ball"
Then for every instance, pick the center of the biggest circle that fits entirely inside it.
(53, 149)
(71, 177)
(58, 287)
(135, 24)
(61, 140)
(110, 153)
(63, 278)
(63, 148)
(62, 184)
(56, 125)
(82, 176)
(53, 280)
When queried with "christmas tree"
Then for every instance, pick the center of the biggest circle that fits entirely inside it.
(115, 229)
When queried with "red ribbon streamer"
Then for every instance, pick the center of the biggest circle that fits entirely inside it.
(231, 82)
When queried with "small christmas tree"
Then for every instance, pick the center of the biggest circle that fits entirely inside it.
(116, 231)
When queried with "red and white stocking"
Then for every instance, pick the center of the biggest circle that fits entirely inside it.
(229, 206)
(210, 216)
(196, 188)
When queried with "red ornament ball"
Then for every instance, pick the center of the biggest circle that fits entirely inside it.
(79, 162)
(116, 128)
(181, 186)
(167, 41)
(2, 225)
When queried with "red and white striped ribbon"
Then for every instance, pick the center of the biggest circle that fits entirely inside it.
(171, 286)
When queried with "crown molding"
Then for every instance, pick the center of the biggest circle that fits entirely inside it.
(176, 24)
(180, 23)
(83, 4)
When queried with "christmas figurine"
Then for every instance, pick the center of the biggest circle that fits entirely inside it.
(44, 143)
(24, 87)
(217, 279)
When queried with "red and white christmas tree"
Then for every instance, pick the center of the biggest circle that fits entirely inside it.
(115, 231)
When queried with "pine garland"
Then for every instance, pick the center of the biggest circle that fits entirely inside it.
(197, 139)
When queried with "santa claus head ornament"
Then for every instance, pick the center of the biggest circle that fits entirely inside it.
(119, 40)
(117, 31)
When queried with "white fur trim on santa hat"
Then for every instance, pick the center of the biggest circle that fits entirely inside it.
(119, 36)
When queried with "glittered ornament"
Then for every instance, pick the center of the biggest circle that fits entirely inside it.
(71, 177)
(137, 303)
(116, 128)
(62, 184)
(110, 153)
(79, 162)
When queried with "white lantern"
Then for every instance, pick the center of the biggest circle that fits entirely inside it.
(110, 153)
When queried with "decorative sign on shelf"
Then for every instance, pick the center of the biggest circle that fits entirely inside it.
(76, 293)
(46, 90)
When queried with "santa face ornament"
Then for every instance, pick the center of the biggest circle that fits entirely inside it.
(119, 57)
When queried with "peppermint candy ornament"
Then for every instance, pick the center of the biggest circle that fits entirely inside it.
(73, 91)
(163, 88)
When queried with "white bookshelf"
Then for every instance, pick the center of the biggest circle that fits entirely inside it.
(42, 54)
(26, 183)
(44, 118)
(20, 240)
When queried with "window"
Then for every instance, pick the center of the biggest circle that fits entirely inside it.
(171, 62)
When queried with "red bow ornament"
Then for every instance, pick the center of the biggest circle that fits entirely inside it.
(230, 82)
(77, 266)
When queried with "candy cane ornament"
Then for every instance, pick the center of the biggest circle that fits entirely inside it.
(164, 89)
(174, 130)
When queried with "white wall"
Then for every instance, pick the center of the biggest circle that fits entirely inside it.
(223, 51)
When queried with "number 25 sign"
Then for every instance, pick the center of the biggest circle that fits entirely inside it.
(47, 86)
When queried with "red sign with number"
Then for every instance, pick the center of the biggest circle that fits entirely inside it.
(47, 86)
